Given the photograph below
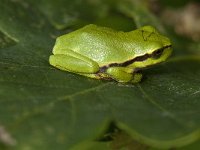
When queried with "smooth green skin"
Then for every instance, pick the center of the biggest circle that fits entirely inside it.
(102, 53)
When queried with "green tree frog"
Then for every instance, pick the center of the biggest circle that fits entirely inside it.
(103, 53)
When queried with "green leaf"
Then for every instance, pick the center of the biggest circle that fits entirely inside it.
(64, 13)
(45, 108)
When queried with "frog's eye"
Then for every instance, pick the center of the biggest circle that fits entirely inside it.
(157, 53)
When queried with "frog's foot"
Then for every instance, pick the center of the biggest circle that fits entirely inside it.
(137, 77)
(74, 62)
(122, 74)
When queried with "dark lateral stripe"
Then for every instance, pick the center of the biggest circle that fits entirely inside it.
(155, 54)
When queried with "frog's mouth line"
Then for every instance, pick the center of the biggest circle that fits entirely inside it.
(156, 54)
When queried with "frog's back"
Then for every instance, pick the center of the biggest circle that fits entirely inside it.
(101, 44)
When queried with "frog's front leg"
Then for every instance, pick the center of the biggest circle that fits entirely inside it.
(123, 74)
(74, 62)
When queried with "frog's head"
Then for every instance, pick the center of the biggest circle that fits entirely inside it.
(154, 47)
